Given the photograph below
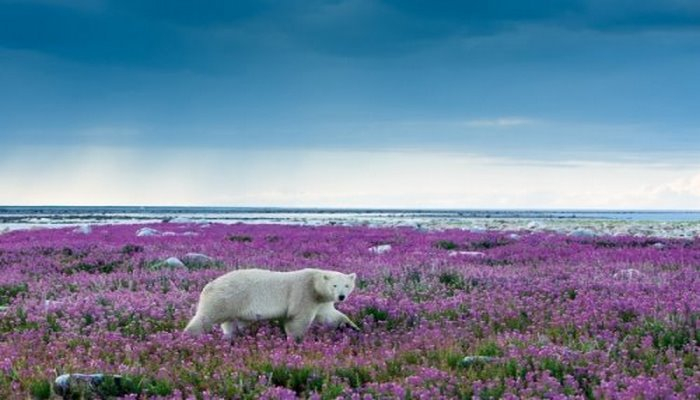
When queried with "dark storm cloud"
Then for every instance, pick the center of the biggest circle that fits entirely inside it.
(174, 33)
(353, 74)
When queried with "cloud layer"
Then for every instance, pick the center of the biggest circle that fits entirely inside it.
(540, 83)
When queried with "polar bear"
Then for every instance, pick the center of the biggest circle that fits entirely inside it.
(298, 298)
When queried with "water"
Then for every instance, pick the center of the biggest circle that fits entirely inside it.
(61, 215)
(14, 217)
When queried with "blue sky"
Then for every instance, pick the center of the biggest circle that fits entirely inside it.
(500, 104)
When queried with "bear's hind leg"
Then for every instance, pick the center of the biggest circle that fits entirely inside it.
(228, 329)
(231, 328)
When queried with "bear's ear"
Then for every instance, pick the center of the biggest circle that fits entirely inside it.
(326, 277)
(353, 276)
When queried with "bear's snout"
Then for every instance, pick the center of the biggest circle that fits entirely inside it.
(341, 297)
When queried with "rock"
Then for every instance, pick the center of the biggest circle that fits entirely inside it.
(659, 245)
(197, 258)
(514, 236)
(454, 253)
(168, 233)
(147, 232)
(181, 220)
(51, 303)
(535, 225)
(174, 262)
(81, 386)
(380, 249)
(628, 274)
(468, 361)
(582, 233)
(84, 229)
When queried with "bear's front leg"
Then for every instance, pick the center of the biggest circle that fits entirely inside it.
(297, 326)
(347, 321)
(198, 325)
(329, 316)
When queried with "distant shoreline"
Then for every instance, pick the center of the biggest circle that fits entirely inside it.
(681, 224)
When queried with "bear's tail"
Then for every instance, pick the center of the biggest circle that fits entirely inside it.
(197, 325)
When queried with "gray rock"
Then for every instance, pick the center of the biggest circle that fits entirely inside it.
(147, 232)
(380, 249)
(468, 361)
(628, 274)
(197, 258)
(84, 229)
(81, 386)
(181, 220)
(174, 262)
(582, 233)
(454, 253)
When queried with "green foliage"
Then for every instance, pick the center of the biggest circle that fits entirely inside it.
(131, 249)
(488, 349)
(52, 322)
(40, 389)
(332, 392)
(99, 267)
(240, 238)
(446, 245)
(414, 277)
(486, 244)
(555, 367)
(355, 376)
(453, 359)
(376, 313)
(495, 392)
(670, 335)
(452, 280)
(112, 386)
(299, 379)
(628, 315)
(9, 292)
(159, 387)
(512, 369)
(310, 254)
(519, 322)
(18, 322)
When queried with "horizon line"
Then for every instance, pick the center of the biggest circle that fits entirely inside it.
(370, 209)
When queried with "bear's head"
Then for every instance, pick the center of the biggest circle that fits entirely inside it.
(334, 286)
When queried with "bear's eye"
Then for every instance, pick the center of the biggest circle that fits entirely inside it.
(335, 285)
(347, 286)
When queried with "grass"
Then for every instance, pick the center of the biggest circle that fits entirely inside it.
(40, 389)
(446, 245)
(9, 292)
(240, 238)
(302, 380)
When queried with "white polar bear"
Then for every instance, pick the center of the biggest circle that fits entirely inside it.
(298, 298)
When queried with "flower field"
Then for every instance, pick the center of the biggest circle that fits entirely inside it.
(451, 314)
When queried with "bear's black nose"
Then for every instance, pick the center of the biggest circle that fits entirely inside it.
(341, 297)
